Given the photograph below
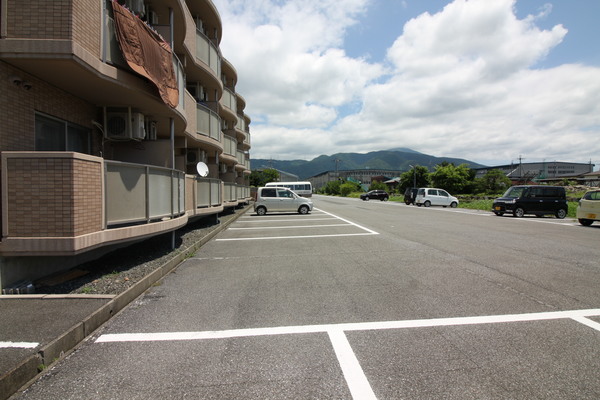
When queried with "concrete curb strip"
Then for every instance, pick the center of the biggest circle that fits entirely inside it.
(26, 372)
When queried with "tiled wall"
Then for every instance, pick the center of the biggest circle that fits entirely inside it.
(53, 197)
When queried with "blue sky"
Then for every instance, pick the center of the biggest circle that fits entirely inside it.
(484, 80)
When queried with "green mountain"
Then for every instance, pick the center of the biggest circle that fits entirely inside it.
(395, 159)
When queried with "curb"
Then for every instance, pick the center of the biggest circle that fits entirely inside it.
(27, 371)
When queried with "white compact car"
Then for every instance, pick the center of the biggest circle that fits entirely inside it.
(280, 199)
(435, 197)
(588, 209)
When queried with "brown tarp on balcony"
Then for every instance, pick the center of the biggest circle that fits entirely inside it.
(146, 53)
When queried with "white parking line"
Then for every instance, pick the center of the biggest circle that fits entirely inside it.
(576, 315)
(287, 227)
(332, 217)
(261, 220)
(354, 375)
(18, 345)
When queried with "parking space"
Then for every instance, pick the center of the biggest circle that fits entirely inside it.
(357, 349)
(317, 224)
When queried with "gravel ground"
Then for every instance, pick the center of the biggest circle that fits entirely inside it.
(119, 270)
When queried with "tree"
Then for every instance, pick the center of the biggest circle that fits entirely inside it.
(260, 178)
(452, 178)
(494, 181)
(376, 185)
(348, 187)
(332, 187)
(407, 179)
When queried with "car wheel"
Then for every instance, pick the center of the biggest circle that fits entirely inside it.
(519, 212)
(366, 198)
(418, 204)
(407, 203)
(303, 210)
(384, 199)
(427, 203)
(261, 210)
(585, 222)
(561, 213)
(453, 204)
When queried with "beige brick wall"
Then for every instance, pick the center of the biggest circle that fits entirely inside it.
(47, 19)
(87, 25)
(78, 20)
(53, 197)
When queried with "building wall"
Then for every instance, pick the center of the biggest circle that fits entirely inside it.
(39, 19)
(87, 26)
(39, 192)
(18, 105)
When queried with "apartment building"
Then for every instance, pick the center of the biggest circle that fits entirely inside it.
(119, 120)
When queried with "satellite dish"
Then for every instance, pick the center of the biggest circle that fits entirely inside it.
(202, 169)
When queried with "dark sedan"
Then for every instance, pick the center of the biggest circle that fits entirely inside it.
(376, 195)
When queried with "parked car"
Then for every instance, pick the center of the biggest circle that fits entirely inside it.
(435, 197)
(588, 209)
(410, 194)
(532, 199)
(280, 199)
(375, 194)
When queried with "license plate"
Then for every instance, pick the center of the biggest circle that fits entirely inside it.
(497, 208)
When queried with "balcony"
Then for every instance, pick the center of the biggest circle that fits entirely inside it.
(235, 193)
(63, 203)
(208, 53)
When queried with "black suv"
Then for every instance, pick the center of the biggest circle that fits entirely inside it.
(375, 194)
(410, 194)
(537, 200)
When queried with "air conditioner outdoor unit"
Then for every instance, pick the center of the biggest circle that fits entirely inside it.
(138, 130)
(118, 125)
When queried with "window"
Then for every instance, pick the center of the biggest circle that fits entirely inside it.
(52, 134)
(269, 193)
(284, 193)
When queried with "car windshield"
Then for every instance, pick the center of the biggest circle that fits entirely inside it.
(514, 192)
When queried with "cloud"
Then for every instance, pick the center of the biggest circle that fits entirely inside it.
(462, 82)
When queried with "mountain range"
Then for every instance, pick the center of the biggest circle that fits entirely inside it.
(398, 159)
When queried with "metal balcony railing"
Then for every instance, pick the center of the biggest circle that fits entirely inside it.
(141, 193)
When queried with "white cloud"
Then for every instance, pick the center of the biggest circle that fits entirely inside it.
(462, 82)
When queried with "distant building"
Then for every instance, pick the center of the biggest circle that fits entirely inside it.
(363, 176)
(283, 176)
(540, 171)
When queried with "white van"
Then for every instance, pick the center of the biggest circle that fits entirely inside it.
(280, 199)
(435, 197)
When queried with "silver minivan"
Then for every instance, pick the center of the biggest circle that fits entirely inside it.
(280, 199)
(435, 197)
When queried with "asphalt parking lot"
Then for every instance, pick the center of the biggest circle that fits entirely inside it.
(355, 301)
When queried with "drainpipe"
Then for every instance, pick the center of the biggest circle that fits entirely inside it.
(171, 120)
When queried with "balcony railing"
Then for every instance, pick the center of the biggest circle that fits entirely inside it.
(208, 192)
(208, 122)
(229, 145)
(64, 203)
(229, 100)
(208, 53)
(235, 192)
(141, 193)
